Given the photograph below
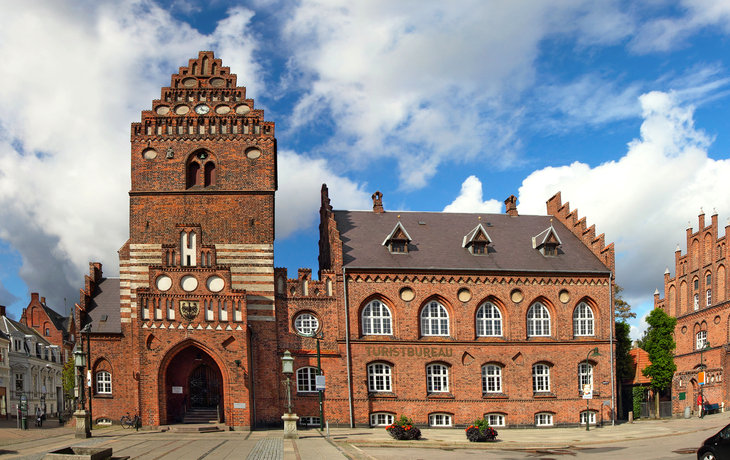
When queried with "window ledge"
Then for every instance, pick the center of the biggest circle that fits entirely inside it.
(382, 395)
(494, 396)
(543, 394)
(308, 394)
(440, 396)
(103, 396)
(596, 394)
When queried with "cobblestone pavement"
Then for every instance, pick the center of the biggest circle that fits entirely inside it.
(268, 449)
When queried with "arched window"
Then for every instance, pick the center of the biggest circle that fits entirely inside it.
(583, 320)
(538, 320)
(376, 319)
(306, 324)
(379, 377)
(437, 378)
(434, 319)
(697, 301)
(193, 174)
(489, 321)
(306, 380)
(709, 297)
(701, 341)
(585, 375)
(210, 176)
(540, 378)
(491, 379)
(103, 383)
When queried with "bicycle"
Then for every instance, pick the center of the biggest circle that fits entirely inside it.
(130, 422)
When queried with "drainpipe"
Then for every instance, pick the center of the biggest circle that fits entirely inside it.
(613, 322)
(347, 347)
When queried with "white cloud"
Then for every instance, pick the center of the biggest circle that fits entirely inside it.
(470, 199)
(75, 75)
(298, 198)
(642, 201)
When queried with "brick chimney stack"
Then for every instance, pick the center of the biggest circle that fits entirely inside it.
(511, 205)
(2, 310)
(378, 203)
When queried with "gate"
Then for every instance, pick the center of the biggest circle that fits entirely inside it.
(204, 387)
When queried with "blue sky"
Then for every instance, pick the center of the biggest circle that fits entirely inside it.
(621, 106)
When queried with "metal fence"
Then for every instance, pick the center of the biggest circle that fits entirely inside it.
(648, 410)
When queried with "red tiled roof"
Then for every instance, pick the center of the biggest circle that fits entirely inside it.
(641, 360)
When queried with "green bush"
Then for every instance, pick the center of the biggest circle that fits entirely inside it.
(638, 394)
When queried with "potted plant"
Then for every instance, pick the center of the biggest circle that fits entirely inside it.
(480, 431)
(403, 429)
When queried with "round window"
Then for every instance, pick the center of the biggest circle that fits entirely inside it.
(306, 324)
(163, 282)
(215, 284)
(188, 283)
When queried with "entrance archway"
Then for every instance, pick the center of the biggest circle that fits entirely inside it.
(193, 383)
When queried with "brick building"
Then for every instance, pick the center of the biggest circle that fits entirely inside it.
(442, 317)
(57, 329)
(697, 296)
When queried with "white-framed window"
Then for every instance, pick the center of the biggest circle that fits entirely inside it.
(583, 320)
(439, 420)
(103, 383)
(585, 375)
(434, 319)
(544, 419)
(489, 320)
(591, 415)
(495, 419)
(19, 382)
(697, 301)
(701, 340)
(306, 379)
(538, 320)
(381, 419)
(540, 378)
(309, 420)
(379, 377)
(376, 319)
(437, 378)
(306, 324)
(491, 379)
(709, 297)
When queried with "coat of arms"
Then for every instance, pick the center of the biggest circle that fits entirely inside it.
(189, 309)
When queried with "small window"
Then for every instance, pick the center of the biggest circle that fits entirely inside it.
(697, 283)
(697, 301)
(48, 332)
(376, 319)
(103, 383)
(381, 419)
(495, 419)
(439, 420)
(307, 380)
(491, 379)
(590, 415)
(489, 321)
(309, 421)
(398, 247)
(701, 341)
(479, 248)
(709, 297)
(544, 419)
(306, 324)
(437, 378)
(585, 376)
(540, 378)
(379, 377)
(550, 250)
(709, 279)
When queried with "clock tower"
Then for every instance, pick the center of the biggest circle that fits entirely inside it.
(196, 275)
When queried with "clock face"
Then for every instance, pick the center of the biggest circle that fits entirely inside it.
(202, 109)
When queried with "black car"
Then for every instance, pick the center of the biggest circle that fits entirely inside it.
(716, 447)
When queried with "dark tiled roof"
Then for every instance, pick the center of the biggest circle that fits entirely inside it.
(60, 322)
(105, 302)
(437, 244)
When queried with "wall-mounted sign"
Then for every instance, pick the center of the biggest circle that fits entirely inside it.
(410, 352)
(319, 382)
(177, 390)
(239, 405)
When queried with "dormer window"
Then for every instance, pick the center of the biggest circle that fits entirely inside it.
(398, 239)
(477, 241)
(547, 242)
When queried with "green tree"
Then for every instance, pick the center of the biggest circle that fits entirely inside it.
(69, 378)
(624, 362)
(621, 308)
(660, 347)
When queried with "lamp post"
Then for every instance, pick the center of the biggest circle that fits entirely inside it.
(290, 420)
(81, 415)
(318, 337)
(592, 353)
(87, 329)
(704, 379)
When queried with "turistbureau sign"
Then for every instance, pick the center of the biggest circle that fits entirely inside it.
(410, 352)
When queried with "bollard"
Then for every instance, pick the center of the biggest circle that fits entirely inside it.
(687, 413)
(722, 406)
(328, 429)
(631, 416)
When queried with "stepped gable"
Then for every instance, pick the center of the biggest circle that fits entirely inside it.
(586, 234)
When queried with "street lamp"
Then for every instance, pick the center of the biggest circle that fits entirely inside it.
(704, 379)
(82, 417)
(290, 420)
(591, 354)
(318, 337)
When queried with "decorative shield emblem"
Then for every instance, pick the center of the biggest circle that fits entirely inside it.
(189, 309)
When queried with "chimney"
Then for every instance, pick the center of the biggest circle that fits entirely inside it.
(378, 203)
(511, 206)
(43, 300)
(2, 310)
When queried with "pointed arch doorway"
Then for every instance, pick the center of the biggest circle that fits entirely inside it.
(193, 387)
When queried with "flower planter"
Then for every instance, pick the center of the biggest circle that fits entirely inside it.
(404, 433)
(474, 434)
